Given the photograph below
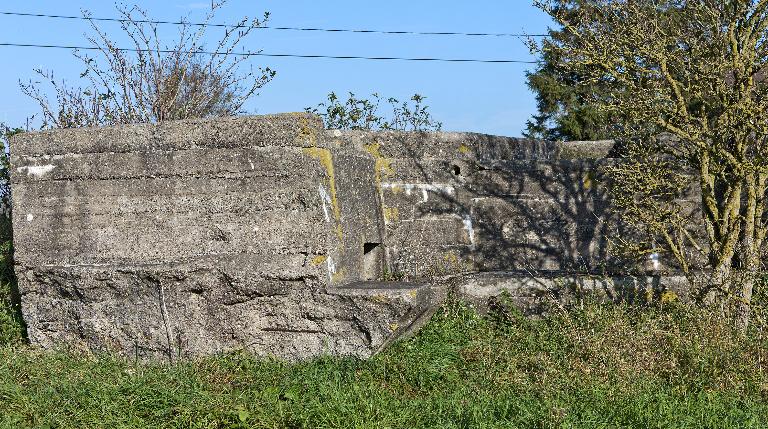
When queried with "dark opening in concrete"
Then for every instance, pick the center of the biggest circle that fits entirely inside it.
(373, 257)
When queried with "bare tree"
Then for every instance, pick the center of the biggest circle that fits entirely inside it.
(150, 81)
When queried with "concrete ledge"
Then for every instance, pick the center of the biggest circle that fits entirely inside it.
(286, 129)
(469, 146)
(536, 295)
(586, 149)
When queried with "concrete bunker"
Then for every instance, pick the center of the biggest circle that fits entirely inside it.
(272, 234)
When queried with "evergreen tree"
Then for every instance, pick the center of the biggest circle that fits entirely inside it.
(562, 97)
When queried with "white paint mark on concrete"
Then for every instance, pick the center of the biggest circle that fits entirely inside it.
(37, 170)
(69, 155)
(425, 188)
(467, 221)
(654, 257)
(336, 133)
(76, 265)
(326, 199)
(331, 268)
(30, 217)
(436, 188)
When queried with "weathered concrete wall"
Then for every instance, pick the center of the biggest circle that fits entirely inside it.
(270, 233)
(462, 202)
(201, 236)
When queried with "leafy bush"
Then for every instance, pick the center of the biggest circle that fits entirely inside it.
(11, 324)
(365, 114)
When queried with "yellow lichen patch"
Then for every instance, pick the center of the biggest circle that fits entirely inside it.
(412, 293)
(380, 298)
(668, 296)
(339, 231)
(391, 214)
(393, 327)
(451, 258)
(319, 259)
(455, 264)
(307, 133)
(383, 166)
(304, 115)
(464, 149)
(326, 160)
(588, 180)
(396, 189)
(338, 276)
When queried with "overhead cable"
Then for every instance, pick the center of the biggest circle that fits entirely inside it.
(278, 55)
(269, 27)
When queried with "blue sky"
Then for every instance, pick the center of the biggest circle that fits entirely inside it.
(489, 98)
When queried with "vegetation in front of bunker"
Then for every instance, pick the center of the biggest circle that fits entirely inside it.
(599, 366)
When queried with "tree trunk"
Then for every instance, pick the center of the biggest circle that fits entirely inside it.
(717, 285)
(744, 303)
(749, 252)
(748, 275)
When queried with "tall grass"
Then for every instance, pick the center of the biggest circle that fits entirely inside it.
(600, 367)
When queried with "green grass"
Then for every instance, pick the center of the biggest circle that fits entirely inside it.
(601, 367)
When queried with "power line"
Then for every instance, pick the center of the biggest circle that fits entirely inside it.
(265, 54)
(267, 27)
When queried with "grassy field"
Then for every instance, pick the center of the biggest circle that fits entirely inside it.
(600, 367)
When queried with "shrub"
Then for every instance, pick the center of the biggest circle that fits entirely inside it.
(365, 114)
(150, 82)
(11, 324)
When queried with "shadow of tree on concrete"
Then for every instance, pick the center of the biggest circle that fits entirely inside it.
(533, 215)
